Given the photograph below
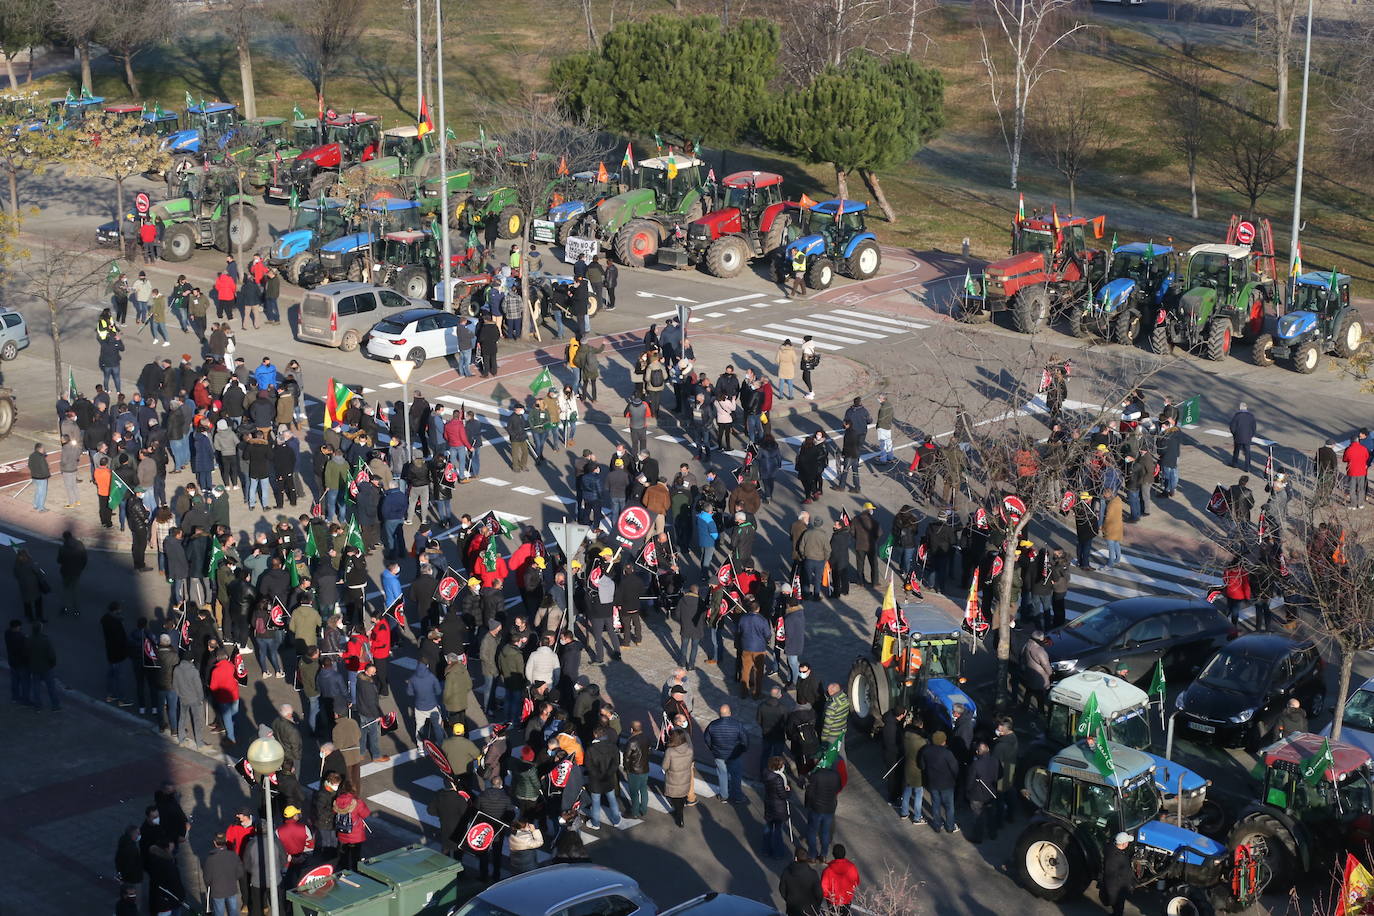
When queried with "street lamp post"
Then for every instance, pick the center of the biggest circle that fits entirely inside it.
(1302, 147)
(419, 63)
(265, 756)
(445, 247)
(403, 367)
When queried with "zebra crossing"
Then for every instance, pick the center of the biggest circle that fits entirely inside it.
(1137, 575)
(837, 329)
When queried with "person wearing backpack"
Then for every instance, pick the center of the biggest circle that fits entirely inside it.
(350, 826)
(655, 380)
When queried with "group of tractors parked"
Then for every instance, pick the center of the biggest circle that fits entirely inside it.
(1201, 301)
(1297, 819)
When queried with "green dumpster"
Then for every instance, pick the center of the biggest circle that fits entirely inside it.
(422, 881)
(347, 893)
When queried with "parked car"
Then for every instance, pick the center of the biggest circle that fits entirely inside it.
(339, 314)
(14, 334)
(562, 890)
(415, 334)
(716, 904)
(1240, 693)
(1127, 637)
(1357, 724)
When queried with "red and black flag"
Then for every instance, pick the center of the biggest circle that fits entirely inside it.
(1283, 565)
(278, 614)
(483, 833)
(981, 520)
(1013, 509)
(388, 722)
(1263, 528)
(726, 575)
(913, 584)
(649, 557)
(397, 610)
(1219, 505)
(450, 473)
(433, 752)
(449, 586)
(149, 653)
(845, 519)
(240, 669)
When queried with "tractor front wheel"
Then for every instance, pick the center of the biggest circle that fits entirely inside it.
(1349, 337)
(1307, 357)
(636, 243)
(820, 273)
(322, 183)
(298, 267)
(1272, 842)
(179, 243)
(1127, 327)
(727, 256)
(1262, 351)
(510, 222)
(1218, 340)
(864, 262)
(868, 695)
(1031, 310)
(1048, 862)
(1159, 340)
(1078, 323)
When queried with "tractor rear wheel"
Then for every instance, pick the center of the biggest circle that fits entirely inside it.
(510, 222)
(239, 230)
(868, 694)
(864, 261)
(1078, 323)
(298, 266)
(179, 243)
(322, 183)
(727, 256)
(777, 234)
(1031, 310)
(1349, 336)
(1048, 862)
(7, 413)
(1280, 848)
(820, 273)
(1127, 327)
(1218, 340)
(355, 270)
(1307, 357)
(1159, 340)
(636, 242)
(1262, 351)
(412, 281)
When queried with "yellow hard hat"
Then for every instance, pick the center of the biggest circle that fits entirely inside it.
(576, 564)
(540, 562)
(606, 552)
(459, 728)
(474, 582)
(291, 811)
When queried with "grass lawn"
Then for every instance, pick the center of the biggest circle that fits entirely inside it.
(955, 188)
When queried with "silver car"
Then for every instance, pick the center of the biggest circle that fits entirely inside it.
(14, 334)
(562, 890)
(340, 314)
(1357, 725)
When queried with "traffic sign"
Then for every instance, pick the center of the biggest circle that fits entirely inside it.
(569, 536)
(1245, 232)
(143, 203)
(633, 525)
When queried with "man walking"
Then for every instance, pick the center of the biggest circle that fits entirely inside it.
(727, 741)
(39, 473)
(1242, 435)
(1356, 458)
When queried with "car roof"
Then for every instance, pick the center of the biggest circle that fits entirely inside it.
(1294, 749)
(391, 203)
(752, 179)
(1264, 645)
(661, 162)
(1230, 251)
(1317, 278)
(343, 288)
(1078, 760)
(1149, 605)
(407, 316)
(831, 206)
(1144, 248)
(212, 107)
(1113, 694)
(718, 904)
(547, 888)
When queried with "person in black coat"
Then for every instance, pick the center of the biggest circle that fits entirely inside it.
(981, 778)
(129, 858)
(800, 887)
(451, 808)
(777, 811)
(495, 804)
(940, 772)
(1118, 876)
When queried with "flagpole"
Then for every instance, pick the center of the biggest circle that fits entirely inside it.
(445, 249)
(1302, 151)
(419, 63)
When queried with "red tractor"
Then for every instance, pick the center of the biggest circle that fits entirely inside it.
(753, 221)
(348, 140)
(1050, 269)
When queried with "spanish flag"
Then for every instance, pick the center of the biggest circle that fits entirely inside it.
(426, 124)
(887, 617)
(1356, 888)
(335, 402)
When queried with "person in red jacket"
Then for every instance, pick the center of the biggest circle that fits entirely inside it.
(381, 652)
(226, 293)
(839, 881)
(1356, 458)
(224, 692)
(355, 656)
(1236, 581)
(297, 841)
(237, 833)
(491, 578)
(350, 816)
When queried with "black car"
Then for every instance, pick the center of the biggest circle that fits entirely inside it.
(1127, 637)
(1239, 695)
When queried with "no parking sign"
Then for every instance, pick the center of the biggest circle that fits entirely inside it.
(142, 203)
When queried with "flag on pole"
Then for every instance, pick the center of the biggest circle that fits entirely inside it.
(295, 201)
(296, 113)
(1356, 888)
(601, 176)
(1157, 684)
(1297, 261)
(1102, 752)
(1150, 250)
(672, 168)
(1113, 248)
(119, 490)
(628, 160)
(1314, 768)
(354, 536)
(1021, 208)
(71, 98)
(425, 124)
(890, 618)
(828, 756)
(312, 550)
(542, 381)
(969, 286)
(973, 616)
(216, 557)
(293, 568)
(885, 548)
(1054, 210)
(319, 105)
(1090, 720)
(86, 93)
(563, 166)
(1332, 282)
(71, 383)
(336, 400)
(190, 102)
(806, 202)
(449, 134)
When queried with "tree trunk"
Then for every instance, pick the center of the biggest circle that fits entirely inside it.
(14, 194)
(1192, 183)
(1002, 620)
(84, 51)
(250, 99)
(871, 179)
(1018, 126)
(1342, 691)
(1073, 196)
(129, 79)
(1281, 72)
(56, 330)
(591, 25)
(842, 183)
(119, 201)
(9, 71)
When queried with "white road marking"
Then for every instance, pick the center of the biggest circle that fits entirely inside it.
(740, 308)
(495, 481)
(368, 769)
(404, 806)
(565, 500)
(794, 336)
(528, 491)
(389, 385)
(716, 315)
(810, 322)
(1262, 443)
(882, 319)
(800, 332)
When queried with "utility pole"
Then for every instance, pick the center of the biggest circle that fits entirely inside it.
(442, 128)
(419, 61)
(1293, 238)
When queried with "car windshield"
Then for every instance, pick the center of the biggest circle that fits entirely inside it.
(940, 657)
(1099, 626)
(1359, 711)
(1310, 298)
(1139, 804)
(1038, 240)
(479, 907)
(1132, 730)
(1237, 672)
(1210, 269)
(305, 137)
(390, 326)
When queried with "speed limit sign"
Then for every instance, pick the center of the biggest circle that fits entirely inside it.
(142, 203)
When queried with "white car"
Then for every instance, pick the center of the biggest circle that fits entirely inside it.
(416, 334)
(1357, 725)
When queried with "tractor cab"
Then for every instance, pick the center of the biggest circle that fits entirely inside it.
(322, 216)
(1145, 264)
(208, 122)
(1322, 295)
(751, 193)
(1057, 240)
(160, 122)
(834, 221)
(576, 196)
(672, 178)
(313, 223)
(916, 663)
(1126, 715)
(268, 131)
(405, 145)
(408, 246)
(1341, 795)
(1074, 788)
(1140, 276)
(390, 214)
(305, 133)
(124, 112)
(357, 133)
(1224, 268)
(71, 111)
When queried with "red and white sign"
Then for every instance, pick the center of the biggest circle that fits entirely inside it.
(480, 836)
(448, 588)
(433, 752)
(633, 525)
(142, 203)
(316, 878)
(1245, 232)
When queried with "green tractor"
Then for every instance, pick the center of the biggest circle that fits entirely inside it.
(271, 170)
(1320, 320)
(665, 195)
(408, 262)
(209, 213)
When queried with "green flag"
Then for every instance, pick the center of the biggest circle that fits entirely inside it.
(354, 535)
(70, 98)
(969, 286)
(1157, 682)
(885, 548)
(481, 137)
(508, 527)
(1150, 250)
(71, 383)
(658, 141)
(296, 113)
(216, 557)
(1333, 279)
(294, 569)
(542, 381)
(86, 93)
(1314, 768)
(472, 238)
(1090, 720)
(449, 134)
(489, 556)
(312, 549)
(118, 491)
(295, 201)
(1113, 248)
(828, 756)
(1102, 753)
(190, 102)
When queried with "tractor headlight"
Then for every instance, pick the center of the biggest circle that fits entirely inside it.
(1245, 715)
(1067, 664)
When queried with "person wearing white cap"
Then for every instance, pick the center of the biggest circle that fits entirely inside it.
(1118, 876)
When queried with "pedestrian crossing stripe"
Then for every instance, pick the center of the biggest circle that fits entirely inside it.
(1137, 575)
(837, 329)
(794, 336)
(809, 322)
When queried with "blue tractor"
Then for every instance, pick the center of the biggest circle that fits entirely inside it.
(577, 198)
(160, 122)
(1320, 320)
(313, 223)
(1084, 797)
(834, 239)
(915, 664)
(347, 257)
(209, 126)
(1139, 277)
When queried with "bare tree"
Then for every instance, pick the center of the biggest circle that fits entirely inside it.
(1245, 152)
(1019, 39)
(61, 276)
(241, 20)
(1183, 109)
(1352, 93)
(1071, 132)
(130, 27)
(1274, 21)
(80, 22)
(390, 74)
(890, 893)
(119, 150)
(322, 32)
(823, 33)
